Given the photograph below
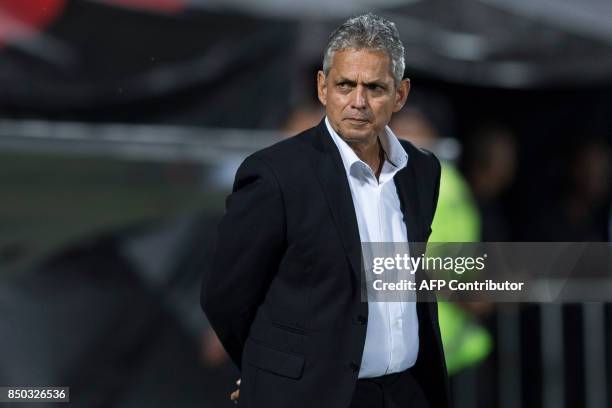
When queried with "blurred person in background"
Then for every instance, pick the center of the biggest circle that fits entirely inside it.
(490, 168)
(302, 117)
(284, 292)
(306, 111)
(581, 208)
(457, 218)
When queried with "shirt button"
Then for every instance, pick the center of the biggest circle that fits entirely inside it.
(354, 366)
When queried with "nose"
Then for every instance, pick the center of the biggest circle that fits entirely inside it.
(359, 98)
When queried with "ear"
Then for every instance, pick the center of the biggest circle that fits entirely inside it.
(322, 88)
(401, 94)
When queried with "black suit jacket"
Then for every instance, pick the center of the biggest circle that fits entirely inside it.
(284, 294)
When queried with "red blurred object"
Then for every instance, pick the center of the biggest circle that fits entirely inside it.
(160, 6)
(24, 18)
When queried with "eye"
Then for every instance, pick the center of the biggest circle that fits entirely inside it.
(344, 86)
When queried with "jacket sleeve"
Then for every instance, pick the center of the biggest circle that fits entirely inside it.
(430, 186)
(437, 171)
(250, 245)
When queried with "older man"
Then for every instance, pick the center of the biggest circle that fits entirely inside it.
(284, 291)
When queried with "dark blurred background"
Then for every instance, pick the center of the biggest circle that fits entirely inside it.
(122, 123)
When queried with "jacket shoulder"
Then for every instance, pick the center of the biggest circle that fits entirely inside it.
(422, 159)
(286, 153)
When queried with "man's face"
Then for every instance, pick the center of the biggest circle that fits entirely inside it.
(359, 94)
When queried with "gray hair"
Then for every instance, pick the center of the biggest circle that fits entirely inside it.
(367, 31)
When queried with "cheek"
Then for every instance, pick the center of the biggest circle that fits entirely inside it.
(338, 103)
(383, 110)
(339, 99)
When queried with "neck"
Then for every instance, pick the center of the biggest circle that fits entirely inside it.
(371, 153)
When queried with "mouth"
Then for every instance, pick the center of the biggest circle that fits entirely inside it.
(359, 121)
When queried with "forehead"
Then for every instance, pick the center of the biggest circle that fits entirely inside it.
(363, 64)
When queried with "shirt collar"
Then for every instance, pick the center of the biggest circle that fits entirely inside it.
(394, 151)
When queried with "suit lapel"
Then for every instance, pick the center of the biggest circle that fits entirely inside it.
(408, 192)
(331, 174)
(406, 185)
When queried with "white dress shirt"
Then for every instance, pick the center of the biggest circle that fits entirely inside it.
(392, 336)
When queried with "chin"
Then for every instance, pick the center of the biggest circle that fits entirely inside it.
(357, 135)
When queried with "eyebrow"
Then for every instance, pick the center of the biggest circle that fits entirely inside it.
(351, 82)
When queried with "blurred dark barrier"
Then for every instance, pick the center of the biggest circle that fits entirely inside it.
(63, 182)
(118, 59)
(545, 355)
(106, 232)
